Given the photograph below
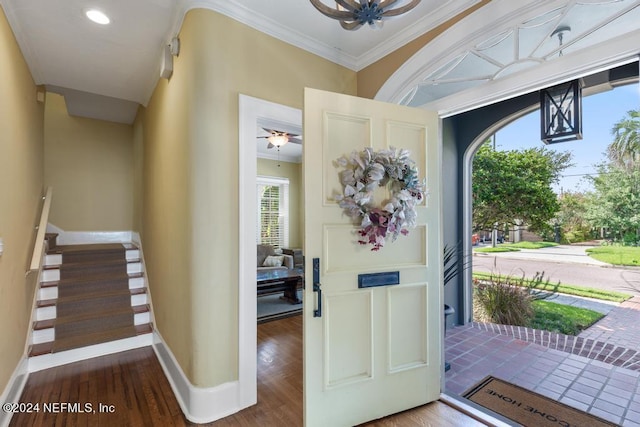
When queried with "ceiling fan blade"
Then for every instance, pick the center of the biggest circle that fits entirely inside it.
(270, 145)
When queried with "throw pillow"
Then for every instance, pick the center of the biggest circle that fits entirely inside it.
(273, 261)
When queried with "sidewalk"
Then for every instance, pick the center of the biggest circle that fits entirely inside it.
(561, 253)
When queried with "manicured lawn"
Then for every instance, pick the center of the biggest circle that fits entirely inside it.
(513, 247)
(581, 291)
(532, 245)
(564, 319)
(617, 255)
(501, 248)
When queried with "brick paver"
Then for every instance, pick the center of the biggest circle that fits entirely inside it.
(597, 372)
(620, 327)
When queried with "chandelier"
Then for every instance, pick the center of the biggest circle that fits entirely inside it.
(352, 14)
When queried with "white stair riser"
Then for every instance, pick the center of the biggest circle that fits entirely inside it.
(46, 313)
(134, 267)
(141, 318)
(50, 292)
(55, 259)
(43, 335)
(136, 283)
(51, 275)
(138, 299)
(132, 254)
(45, 361)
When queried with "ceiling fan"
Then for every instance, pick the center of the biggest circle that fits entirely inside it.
(279, 138)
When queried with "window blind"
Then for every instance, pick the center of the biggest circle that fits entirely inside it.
(272, 215)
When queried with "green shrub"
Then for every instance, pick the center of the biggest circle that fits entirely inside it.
(630, 239)
(504, 303)
(508, 300)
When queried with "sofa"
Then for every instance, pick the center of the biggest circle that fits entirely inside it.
(269, 259)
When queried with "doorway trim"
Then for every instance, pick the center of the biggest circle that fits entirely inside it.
(252, 113)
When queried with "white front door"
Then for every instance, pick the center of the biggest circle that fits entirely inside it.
(374, 351)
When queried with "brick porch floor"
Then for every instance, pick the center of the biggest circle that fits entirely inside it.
(588, 380)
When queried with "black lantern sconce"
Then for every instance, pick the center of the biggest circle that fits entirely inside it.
(561, 112)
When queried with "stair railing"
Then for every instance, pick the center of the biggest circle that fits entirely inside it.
(38, 247)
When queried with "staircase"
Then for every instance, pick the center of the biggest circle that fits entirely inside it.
(92, 300)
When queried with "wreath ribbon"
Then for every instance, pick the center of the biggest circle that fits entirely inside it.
(366, 170)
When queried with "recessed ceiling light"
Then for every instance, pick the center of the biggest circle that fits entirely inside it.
(97, 16)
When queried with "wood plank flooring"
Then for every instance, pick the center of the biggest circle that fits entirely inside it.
(134, 384)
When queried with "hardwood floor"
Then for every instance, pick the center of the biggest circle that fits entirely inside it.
(134, 384)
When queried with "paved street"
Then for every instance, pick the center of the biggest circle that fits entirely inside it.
(568, 264)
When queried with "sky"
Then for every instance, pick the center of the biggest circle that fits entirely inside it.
(600, 113)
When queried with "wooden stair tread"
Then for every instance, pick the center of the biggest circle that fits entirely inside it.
(93, 296)
(145, 328)
(61, 320)
(48, 348)
(89, 264)
(43, 324)
(143, 308)
(53, 301)
(80, 279)
(94, 299)
(72, 281)
(94, 338)
(40, 349)
(50, 323)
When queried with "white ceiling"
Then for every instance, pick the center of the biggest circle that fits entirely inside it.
(105, 72)
(120, 62)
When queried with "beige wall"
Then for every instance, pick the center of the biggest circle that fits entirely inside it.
(190, 211)
(21, 165)
(292, 171)
(89, 164)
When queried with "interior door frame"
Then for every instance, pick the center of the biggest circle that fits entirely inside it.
(253, 112)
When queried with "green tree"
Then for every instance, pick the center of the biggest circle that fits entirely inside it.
(572, 217)
(624, 151)
(511, 187)
(615, 202)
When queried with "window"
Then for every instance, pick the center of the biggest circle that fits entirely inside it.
(273, 211)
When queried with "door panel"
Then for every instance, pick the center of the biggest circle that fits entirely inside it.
(342, 256)
(375, 351)
(349, 353)
(407, 327)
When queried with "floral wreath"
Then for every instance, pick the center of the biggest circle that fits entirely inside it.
(364, 172)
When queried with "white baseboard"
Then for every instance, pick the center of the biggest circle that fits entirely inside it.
(13, 390)
(199, 405)
(89, 237)
(46, 361)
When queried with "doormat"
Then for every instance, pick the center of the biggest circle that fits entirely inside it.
(528, 408)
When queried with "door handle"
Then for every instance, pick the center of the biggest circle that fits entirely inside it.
(316, 287)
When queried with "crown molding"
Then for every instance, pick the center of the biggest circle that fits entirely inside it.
(427, 23)
(273, 28)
